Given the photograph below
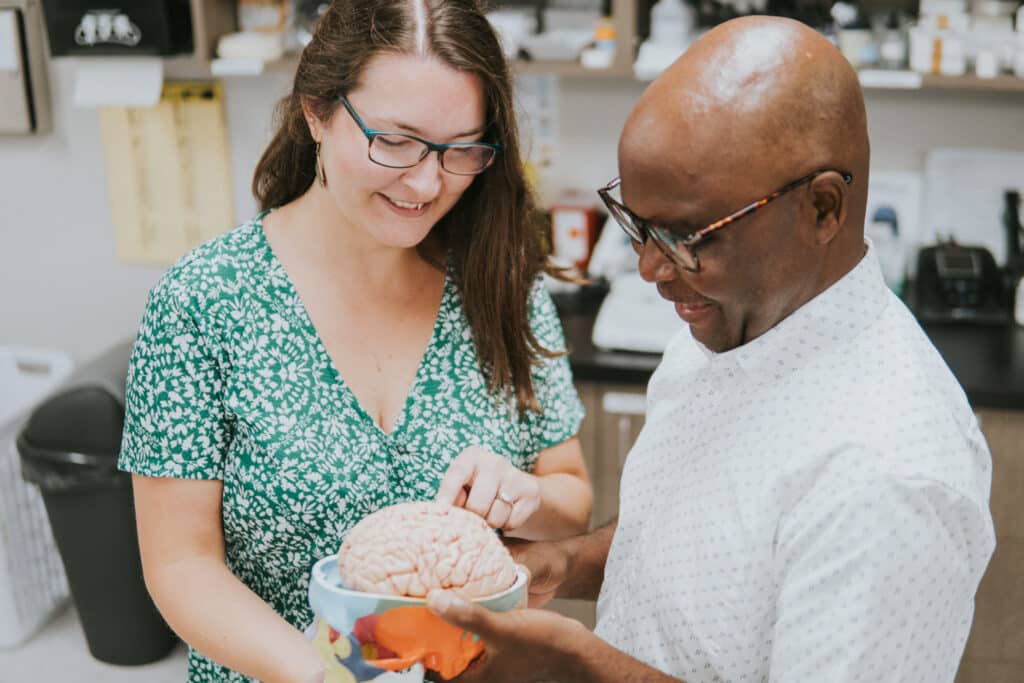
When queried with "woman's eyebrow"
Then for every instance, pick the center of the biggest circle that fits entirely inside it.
(416, 131)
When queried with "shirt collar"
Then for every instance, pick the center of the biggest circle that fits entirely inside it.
(835, 315)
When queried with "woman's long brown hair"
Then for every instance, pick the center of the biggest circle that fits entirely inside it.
(493, 234)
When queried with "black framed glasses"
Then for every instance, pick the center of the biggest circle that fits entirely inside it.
(680, 247)
(404, 150)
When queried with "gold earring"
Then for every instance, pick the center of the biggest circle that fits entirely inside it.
(321, 176)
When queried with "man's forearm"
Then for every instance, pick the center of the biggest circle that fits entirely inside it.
(587, 555)
(586, 658)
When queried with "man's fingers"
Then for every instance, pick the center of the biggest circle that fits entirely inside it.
(461, 613)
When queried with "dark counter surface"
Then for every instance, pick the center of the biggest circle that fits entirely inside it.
(987, 360)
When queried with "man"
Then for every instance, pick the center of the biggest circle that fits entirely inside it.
(808, 499)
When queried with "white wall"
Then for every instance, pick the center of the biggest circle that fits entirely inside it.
(62, 287)
(61, 284)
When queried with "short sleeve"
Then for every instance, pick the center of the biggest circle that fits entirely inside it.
(175, 424)
(877, 582)
(561, 409)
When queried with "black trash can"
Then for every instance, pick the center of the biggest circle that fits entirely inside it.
(69, 448)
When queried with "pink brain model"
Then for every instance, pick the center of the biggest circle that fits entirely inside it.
(410, 548)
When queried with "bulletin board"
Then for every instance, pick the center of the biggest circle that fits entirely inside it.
(168, 172)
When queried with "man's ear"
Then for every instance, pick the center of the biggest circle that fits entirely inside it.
(830, 194)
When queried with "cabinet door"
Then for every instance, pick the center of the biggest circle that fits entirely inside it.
(614, 419)
(994, 653)
(590, 394)
(622, 418)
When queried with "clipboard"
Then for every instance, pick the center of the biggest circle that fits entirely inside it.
(168, 173)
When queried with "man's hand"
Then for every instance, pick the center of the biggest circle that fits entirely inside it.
(548, 564)
(490, 486)
(519, 646)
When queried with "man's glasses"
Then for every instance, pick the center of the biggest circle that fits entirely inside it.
(680, 247)
(402, 150)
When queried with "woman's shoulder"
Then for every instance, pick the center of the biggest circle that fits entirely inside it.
(219, 265)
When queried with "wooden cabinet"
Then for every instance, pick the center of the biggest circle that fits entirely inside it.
(615, 415)
(995, 649)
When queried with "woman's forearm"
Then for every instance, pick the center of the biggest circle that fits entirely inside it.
(565, 504)
(218, 615)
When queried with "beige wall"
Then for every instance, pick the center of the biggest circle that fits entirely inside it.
(63, 287)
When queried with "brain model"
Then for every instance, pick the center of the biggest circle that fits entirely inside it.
(410, 548)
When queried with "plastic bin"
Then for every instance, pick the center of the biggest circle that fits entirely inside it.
(32, 581)
(69, 447)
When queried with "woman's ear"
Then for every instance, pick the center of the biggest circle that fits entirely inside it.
(312, 122)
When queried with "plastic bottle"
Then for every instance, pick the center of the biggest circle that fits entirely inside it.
(672, 22)
(892, 48)
(602, 53)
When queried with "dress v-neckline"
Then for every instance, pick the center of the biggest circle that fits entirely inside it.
(321, 349)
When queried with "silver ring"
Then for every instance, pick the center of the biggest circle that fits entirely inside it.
(505, 498)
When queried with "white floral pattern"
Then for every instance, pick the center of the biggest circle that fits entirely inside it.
(230, 381)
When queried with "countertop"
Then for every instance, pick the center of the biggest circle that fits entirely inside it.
(987, 360)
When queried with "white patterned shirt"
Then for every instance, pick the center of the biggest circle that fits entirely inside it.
(810, 506)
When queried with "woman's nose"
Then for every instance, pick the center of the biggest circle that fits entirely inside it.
(425, 178)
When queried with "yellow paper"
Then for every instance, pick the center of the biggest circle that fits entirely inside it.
(168, 172)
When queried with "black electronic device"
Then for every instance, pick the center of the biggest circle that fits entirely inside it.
(147, 27)
(957, 282)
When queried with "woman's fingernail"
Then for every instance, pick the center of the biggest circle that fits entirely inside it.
(439, 601)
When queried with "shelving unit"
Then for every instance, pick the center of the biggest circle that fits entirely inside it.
(1010, 84)
(624, 18)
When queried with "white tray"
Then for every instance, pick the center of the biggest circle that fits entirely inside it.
(32, 580)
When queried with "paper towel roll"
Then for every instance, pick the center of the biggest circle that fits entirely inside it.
(118, 81)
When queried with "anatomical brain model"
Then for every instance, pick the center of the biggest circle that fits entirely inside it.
(410, 548)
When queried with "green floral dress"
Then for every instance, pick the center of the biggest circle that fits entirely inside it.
(230, 381)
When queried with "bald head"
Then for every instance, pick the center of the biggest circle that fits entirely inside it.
(764, 97)
(755, 105)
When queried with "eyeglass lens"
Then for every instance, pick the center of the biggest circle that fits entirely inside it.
(400, 151)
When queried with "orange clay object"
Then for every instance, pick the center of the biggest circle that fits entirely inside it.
(416, 635)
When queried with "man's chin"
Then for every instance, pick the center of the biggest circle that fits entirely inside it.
(714, 339)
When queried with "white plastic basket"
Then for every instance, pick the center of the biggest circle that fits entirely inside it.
(32, 580)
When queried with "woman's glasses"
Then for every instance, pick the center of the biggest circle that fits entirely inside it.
(402, 150)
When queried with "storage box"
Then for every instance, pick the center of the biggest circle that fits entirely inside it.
(32, 581)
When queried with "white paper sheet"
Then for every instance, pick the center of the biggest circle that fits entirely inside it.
(118, 82)
(964, 195)
(9, 43)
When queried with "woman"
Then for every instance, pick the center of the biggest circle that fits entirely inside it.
(379, 324)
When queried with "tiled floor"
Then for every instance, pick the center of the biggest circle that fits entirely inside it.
(58, 654)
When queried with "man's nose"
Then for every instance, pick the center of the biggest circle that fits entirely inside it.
(654, 266)
(425, 178)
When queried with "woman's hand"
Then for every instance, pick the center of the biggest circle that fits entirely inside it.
(492, 487)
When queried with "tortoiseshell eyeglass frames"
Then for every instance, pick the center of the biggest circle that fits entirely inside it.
(680, 248)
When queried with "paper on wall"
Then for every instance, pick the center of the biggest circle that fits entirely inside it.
(118, 82)
(168, 173)
(964, 195)
(9, 44)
